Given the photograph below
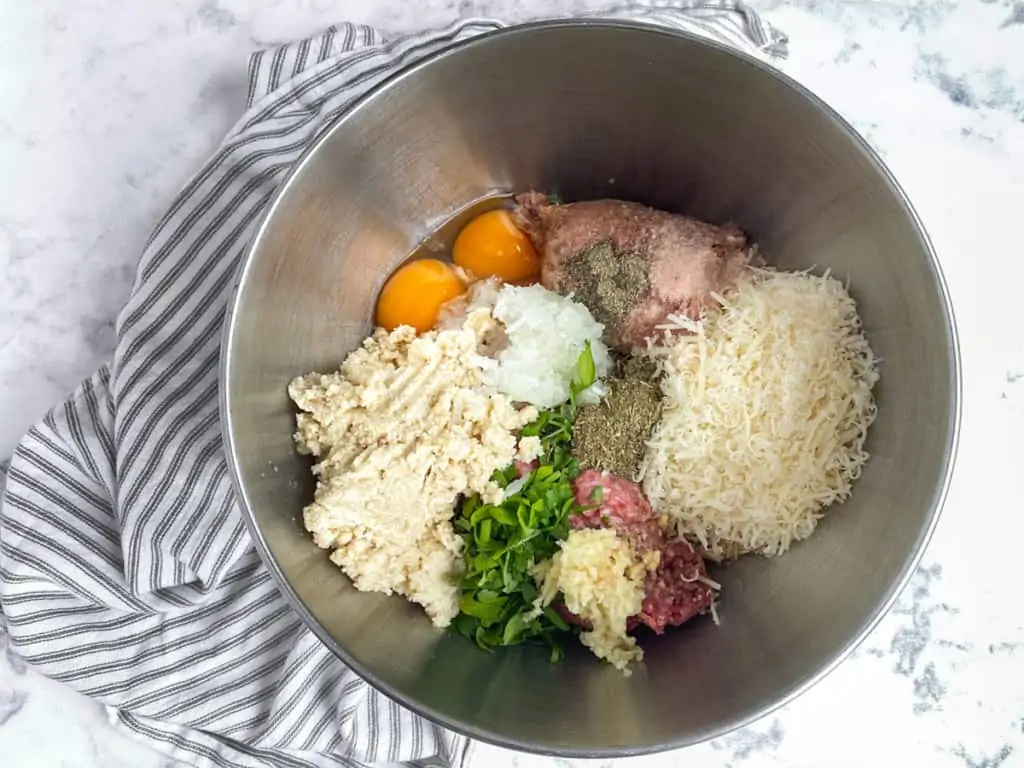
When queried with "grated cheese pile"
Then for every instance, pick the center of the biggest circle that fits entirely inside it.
(767, 406)
(601, 581)
(401, 431)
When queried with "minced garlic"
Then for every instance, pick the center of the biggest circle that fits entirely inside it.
(601, 581)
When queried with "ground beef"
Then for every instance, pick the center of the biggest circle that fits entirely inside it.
(523, 468)
(631, 265)
(673, 596)
(673, 593)
(619, 503)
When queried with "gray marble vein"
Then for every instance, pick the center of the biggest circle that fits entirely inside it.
(917, 603)
(11, 703)
(991, 761)
(753, 741)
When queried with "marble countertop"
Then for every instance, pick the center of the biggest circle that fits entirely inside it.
(106, 107)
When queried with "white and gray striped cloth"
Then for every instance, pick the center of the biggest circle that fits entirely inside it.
(125, 567)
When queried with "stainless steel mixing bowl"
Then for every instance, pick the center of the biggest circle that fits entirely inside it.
(594, 110)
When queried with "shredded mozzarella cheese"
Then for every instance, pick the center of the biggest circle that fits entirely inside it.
(767, 407)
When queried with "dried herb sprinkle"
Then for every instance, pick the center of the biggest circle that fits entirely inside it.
(609, 282)
(612, 435)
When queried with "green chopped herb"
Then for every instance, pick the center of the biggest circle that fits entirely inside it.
(503, 543)
(584, 378)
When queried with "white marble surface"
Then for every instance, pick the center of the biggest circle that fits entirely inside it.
(107, 106)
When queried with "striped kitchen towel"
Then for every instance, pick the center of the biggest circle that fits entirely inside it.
(125, 567)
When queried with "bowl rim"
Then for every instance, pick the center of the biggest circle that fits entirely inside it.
(800, 686)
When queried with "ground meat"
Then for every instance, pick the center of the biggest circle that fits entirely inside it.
(673, 592)
(673, 595)
(618, 504)
(631, 265)
(523, 468)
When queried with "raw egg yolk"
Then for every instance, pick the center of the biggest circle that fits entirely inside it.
(491, 245)
(414, 294)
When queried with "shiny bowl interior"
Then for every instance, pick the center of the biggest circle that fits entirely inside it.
(597, 110)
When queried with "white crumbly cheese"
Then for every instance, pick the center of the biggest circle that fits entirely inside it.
(767, 406)
(400, 432)
(602, 581)
(530, 448)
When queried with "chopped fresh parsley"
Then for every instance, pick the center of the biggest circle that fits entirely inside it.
(503, 543)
